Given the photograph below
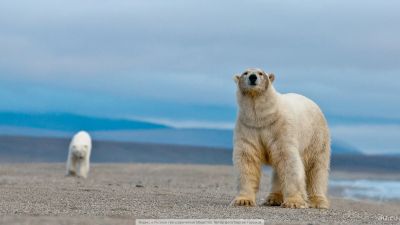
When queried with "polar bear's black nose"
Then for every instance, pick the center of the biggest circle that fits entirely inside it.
(253, 78)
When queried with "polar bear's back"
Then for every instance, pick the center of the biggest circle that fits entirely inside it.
(301, 105)
(82, 138)
(306, 118)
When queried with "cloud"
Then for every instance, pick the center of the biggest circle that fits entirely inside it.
(344, 55)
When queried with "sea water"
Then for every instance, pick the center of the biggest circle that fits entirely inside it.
(381, 190)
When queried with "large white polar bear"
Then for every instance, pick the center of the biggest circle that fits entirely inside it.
(78, 162)
(288, 132)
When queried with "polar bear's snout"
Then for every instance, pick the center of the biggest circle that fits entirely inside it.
(253, 82)
(78, 155)
(79, 152)
(253, 79)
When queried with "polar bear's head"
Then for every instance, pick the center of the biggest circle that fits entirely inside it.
(254, 82)
(80, 151)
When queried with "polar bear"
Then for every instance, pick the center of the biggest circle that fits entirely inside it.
(79, 155)
(286, 131)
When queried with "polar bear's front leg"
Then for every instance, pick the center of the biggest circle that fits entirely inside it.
(71, 166)
(290, 170)
(248, 171)
(83, 168)
(275, 197)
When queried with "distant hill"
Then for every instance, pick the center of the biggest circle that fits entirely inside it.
(196, 137)
(71, 122)
(185, 137)
(20, 149)
(64, 125)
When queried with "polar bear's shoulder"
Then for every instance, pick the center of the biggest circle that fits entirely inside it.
(294, 98)
(297, 102)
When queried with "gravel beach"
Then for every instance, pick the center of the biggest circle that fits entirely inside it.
(120, 193)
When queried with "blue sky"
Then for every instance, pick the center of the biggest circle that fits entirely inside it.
(173, 61)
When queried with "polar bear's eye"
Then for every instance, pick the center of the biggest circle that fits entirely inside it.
(259, 73)
(245, 73)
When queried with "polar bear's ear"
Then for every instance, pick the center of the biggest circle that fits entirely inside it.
(271, 77)
(236, 78)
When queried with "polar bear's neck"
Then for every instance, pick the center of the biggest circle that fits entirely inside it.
(258, 111)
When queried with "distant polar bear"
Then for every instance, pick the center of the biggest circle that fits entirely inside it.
(288, 132)
(78, 162)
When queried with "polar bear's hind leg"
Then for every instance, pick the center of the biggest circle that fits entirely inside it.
(317, 180)
(292, 176)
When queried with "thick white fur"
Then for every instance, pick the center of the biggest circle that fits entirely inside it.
(78, 162)
(288, 132)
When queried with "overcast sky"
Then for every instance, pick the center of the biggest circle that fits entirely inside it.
(174, 60)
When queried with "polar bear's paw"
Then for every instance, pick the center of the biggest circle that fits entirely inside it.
(294, 203)
(243, 201)
(318, 202)
(274, 199)
(71, 173)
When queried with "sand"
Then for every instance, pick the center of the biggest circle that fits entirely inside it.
(121, 193)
